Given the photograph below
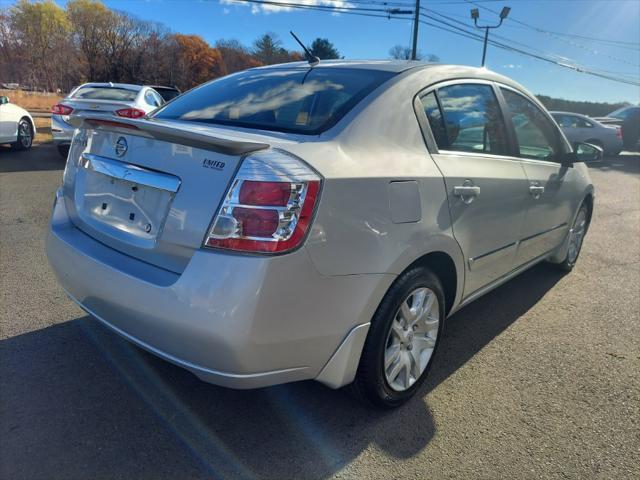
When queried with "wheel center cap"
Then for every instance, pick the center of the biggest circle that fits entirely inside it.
(410, 336)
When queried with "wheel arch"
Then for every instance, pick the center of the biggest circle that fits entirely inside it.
(588, 201)
(444, 267)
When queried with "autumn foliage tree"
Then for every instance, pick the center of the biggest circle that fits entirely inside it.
(49, 47)
(198, 62)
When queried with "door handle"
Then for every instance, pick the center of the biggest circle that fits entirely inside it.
(466, 192)
(536, 191)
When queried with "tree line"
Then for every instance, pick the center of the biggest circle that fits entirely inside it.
(591, 109)
(47, 47)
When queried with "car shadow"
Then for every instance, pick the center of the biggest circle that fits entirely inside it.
(41, 157)
(77, 401)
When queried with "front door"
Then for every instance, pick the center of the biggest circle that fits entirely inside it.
(551, 199)
(486, 189)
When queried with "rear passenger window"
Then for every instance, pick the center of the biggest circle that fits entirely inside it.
(468, 119)
(436, 122)
(536, 135)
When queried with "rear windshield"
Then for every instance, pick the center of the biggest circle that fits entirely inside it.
(106, 93)
(289, 100)
(622, 113)
(167, 93)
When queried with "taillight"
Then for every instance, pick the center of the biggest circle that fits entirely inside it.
(130, 113)
(269, 206)
(61, 109)
(619, 132)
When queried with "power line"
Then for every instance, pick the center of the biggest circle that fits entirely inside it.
(559, 57)
(620, 43)
(331, 8)
(451, 28)
(474, 36)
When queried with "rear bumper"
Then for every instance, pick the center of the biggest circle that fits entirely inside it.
(61, 131)
(236, 321)
(613, 146)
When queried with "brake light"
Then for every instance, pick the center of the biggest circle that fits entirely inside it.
(130, 113)
(269, 206)
(619, 133)
(61, 109)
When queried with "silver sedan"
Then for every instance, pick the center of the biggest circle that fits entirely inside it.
(580, 128)
(112, 99)
(321, 222)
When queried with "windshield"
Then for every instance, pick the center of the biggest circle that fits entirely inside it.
(106, 93)
(290, 100)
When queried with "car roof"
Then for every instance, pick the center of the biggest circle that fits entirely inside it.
(396, 66)
(436, 71)
(126, 86)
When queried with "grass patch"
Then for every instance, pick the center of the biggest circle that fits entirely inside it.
(32, 101)
(43, 129)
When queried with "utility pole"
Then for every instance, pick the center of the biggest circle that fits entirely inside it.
(475, 14)
(416, 21)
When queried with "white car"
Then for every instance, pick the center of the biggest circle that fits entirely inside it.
(16, 125)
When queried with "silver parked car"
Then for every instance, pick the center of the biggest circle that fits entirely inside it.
(112, 99)
(294, 222)
(580, 128)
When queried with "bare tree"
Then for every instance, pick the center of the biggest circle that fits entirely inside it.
(400, 52)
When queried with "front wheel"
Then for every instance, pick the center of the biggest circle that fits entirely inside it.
(576, 237)
(402, 340)
(25, 136)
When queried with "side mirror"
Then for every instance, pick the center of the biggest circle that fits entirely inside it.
(585, 153)
(4, 100)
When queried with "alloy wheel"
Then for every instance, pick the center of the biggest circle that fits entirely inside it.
(411, 339)
(25, 135)
(577, 235)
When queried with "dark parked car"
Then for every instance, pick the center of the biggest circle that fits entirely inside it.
(629, 119)
(167, 93)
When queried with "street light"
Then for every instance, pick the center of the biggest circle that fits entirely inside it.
(475, 14)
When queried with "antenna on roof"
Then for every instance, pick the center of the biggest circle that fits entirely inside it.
(312, 59)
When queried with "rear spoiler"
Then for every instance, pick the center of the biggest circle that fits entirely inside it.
(151, 128)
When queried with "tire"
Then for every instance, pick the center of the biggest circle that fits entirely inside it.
(25, 135)
(64, 150)
(374, 384)
(573, 252)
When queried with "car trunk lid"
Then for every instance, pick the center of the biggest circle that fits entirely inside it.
(149, 189)
(95, 107)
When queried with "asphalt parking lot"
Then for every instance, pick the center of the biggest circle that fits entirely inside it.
(539, 379)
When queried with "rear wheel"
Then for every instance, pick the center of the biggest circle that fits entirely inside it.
(25, 135)
(402, 340)
(63, 150)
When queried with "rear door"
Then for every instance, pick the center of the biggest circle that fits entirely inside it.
(486, 189)
(551, 189)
